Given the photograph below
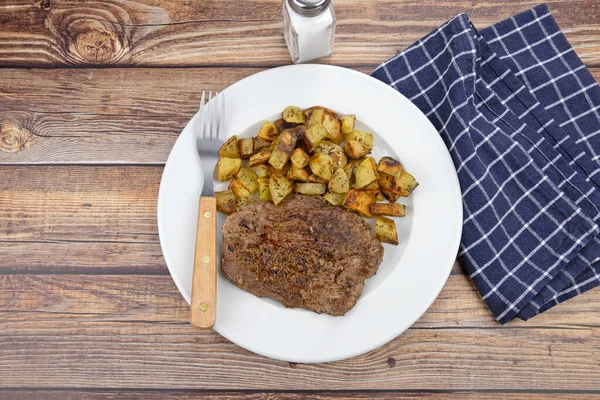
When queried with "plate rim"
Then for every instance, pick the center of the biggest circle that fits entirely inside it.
(384, 338)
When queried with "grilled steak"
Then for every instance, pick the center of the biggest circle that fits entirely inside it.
(303, 252)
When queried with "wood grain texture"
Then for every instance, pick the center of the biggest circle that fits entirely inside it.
(343, 395)
(67, 116)
(212, 32)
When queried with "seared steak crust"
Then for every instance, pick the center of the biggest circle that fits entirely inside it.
(303, 253)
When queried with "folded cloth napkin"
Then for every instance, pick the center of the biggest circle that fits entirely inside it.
(520, 115)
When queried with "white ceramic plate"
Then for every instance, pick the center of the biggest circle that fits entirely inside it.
(411, 275)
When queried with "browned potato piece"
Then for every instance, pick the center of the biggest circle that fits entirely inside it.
(359, 201)
(248, 179)
(389, 166)
(336, 199)
(299, 158)
(385, 229)
(339, 182)
(365, 174)
(336, 152)
(391, 197)
(225, 201)
(349, 169)
(311, 188)
(347, 123)
(321, 165)
(260, 170)
(260, 144)
(242, 202)
(309, 111)
(315, 117)
(239, 189)
(298, 174)
(355, 150)
(379, 196)
(246, 147)
(332, 126)
(285, 146)
(282, 125)
(293, 114)
(314, 135)
(230, 148)
(402, 186)
(316, 179)
(268, 131)
(260, 158)
(391, 209)
(227, 168)
(372, 188)
(264, 193)
(280, 187)
(366, 139)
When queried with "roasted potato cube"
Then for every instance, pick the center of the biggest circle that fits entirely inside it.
(248, 179)
(259, 158)
(359, 201)
(293, 114)
(391, 209)
(339, 182)
(225, 201)
(282, 125)
(379, 196)
(242, 202)
(309, 111)
(391, 197)
(355, 150)
(311, 188)
(239, 189)
(230, 148)
(285, 146)
(366, 139)
(402, 186)
(332, 126)
(227, 168)
(372, 188)
(246, 146)
(317, 179)
(299, 158)
(315, 117)
(336, 199)
(260, 144)
(336, 152)
(385, 229)
(298, 174)
(264, 193)
(260, 170)
(389, 166)
(321, 165)
(347, 123)
(365, 174)
(314, 135)
(280, 187)
(268, 131)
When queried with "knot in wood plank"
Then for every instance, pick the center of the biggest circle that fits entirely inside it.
(96, 46)
(13, 138)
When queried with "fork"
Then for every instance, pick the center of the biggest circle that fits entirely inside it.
(210, 136)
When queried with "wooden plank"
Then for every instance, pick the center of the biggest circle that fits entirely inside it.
(343, 395)
(420, 359)
(90, 305)
(146, 33)
(103, 115)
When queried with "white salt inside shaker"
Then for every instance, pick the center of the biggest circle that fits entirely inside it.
(308, 28)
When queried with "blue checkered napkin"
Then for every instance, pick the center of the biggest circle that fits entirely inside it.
(520, 115)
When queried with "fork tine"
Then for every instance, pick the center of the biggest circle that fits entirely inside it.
(222, 116)
(213, 119)
(209, 120)
(201, 112)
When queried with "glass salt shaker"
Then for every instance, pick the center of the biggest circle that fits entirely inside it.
(308, 28)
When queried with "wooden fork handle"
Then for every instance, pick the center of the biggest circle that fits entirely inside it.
(203, 307)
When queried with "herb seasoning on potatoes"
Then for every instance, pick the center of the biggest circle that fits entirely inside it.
(315, 152)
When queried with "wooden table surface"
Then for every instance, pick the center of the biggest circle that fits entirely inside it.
(93, 95)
